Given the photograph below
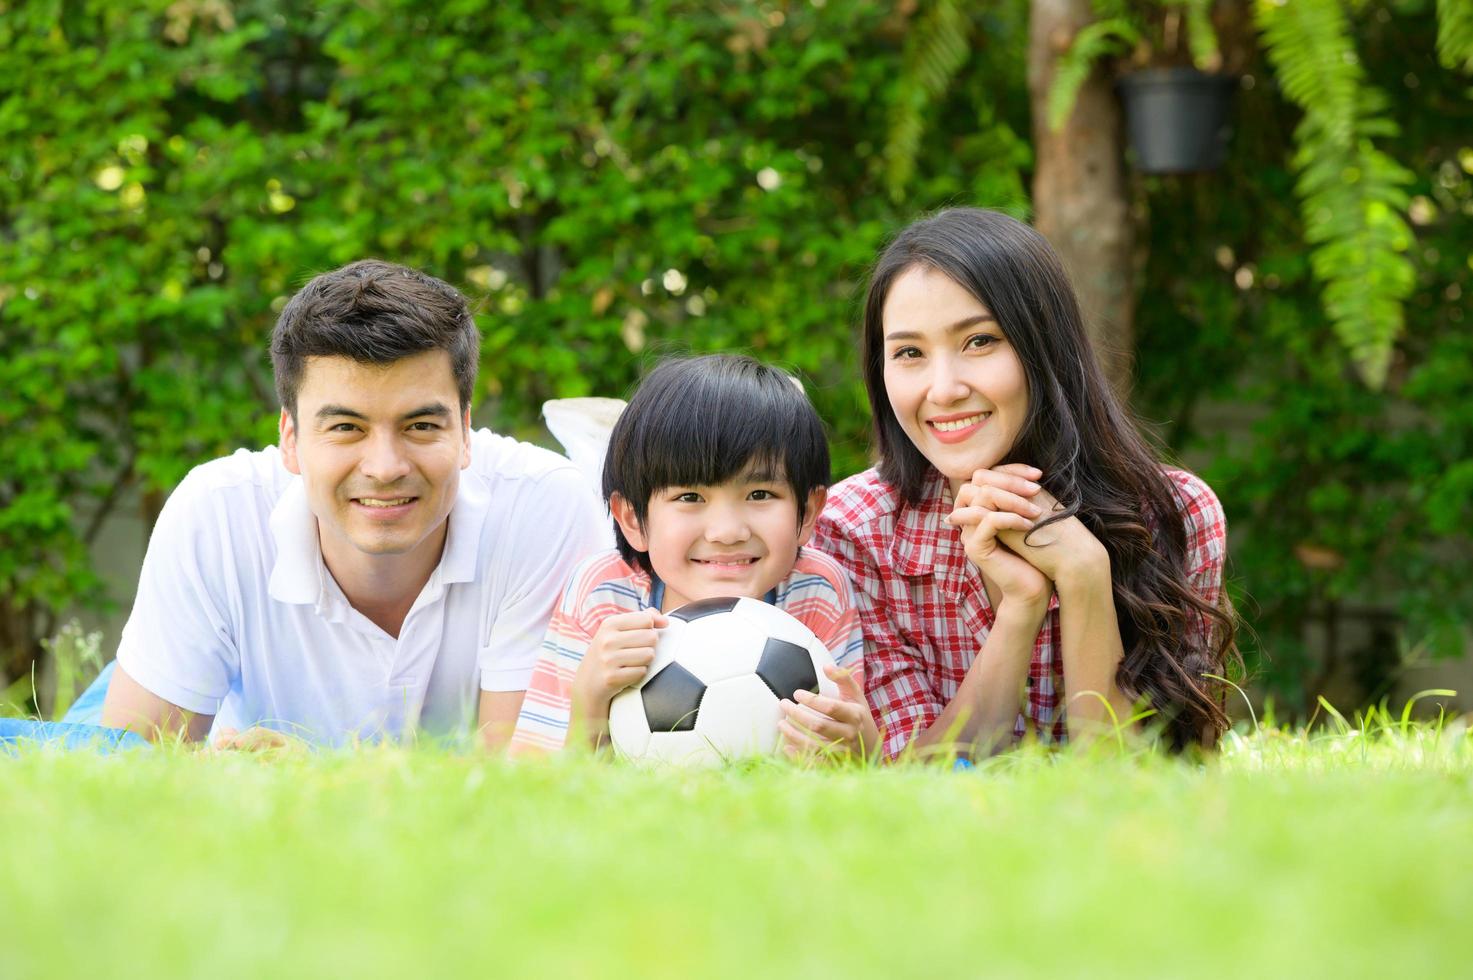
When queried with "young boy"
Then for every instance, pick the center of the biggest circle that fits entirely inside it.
(715, 476)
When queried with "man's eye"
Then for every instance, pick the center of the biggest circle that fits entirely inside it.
(344, 427)
(424, 426)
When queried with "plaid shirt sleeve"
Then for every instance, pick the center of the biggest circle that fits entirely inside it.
(900, 693)
(1206, 536)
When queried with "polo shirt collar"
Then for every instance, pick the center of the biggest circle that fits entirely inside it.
(298, 576)
(461, 560)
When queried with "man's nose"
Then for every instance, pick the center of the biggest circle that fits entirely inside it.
(384, 459)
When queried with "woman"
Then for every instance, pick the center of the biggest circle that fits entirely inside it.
(1018, 545)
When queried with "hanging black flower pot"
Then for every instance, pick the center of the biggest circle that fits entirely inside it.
(1177, 119)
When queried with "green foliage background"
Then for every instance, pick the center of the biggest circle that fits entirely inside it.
(612, 180)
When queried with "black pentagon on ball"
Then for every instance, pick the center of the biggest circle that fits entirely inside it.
(671, 699)
(705, 607)
(786, 668)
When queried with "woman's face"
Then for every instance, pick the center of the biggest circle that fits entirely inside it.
(953, 380)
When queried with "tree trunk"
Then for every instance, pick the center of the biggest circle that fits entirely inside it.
(1079, 191)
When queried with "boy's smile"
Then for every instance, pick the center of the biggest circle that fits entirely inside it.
(738, 538)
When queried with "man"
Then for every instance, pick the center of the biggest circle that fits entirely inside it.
(384, 569)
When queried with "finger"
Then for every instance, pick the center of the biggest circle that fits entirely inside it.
(644, 619)
(989, 522)
(797, 742)
(625, 676)
(638, 657)
(844, 712)
(999, 499)
(820, 725)
(631, 639)
(1024, 470)
(1011, 482)
(848, 681)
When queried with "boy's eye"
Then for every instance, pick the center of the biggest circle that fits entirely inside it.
(689, 497)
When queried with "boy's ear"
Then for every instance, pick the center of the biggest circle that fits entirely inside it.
(623, 512)
(816, 499)
(287, 428)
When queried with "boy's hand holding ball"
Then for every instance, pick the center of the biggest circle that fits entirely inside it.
(818, 725)
(619, 655)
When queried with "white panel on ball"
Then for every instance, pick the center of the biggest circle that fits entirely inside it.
(740, 715)
(682, 749)
(627, 726)
(717, 647)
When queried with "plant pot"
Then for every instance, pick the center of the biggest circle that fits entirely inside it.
(1177, 119)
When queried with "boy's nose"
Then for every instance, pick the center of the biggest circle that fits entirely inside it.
(727, 526)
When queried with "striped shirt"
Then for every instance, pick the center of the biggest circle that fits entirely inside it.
(925, 610)
(816, 593)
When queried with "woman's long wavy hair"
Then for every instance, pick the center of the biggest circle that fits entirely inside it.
(1093, 457)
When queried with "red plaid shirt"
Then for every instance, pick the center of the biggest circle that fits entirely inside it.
(924, 609)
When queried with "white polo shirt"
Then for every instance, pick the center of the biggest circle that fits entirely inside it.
(237, 616)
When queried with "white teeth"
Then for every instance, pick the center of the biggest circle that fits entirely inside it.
(397, 502)
(960, 423)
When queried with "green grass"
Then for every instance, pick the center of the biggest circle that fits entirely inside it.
(1348, 853)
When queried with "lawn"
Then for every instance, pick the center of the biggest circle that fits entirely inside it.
(1344, 853)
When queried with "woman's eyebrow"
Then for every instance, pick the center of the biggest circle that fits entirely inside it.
(959, 325)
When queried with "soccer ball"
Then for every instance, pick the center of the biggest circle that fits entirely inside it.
(712, 692)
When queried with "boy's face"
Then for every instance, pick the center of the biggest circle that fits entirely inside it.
(379, 449)
(738, 538)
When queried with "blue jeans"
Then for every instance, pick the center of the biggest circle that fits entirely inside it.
(87, 709)
(82, 728)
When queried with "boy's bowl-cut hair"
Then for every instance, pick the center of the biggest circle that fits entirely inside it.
(701, 421)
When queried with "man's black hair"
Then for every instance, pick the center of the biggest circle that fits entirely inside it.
(375, 313)
(702, 421)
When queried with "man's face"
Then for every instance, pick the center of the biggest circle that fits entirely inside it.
(379, 448)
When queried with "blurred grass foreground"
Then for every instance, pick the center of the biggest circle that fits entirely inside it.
(1343, 851)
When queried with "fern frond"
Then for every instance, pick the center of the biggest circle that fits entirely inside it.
(1455, 34)
(1095, 41)
(1201, 38)
(1353, 196)
(935, 49)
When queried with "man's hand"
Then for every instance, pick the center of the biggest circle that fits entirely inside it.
(256, 739)
(821, 726)
(619, 655)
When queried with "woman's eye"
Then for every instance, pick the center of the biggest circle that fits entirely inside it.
(904, 354)
(980, 341)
